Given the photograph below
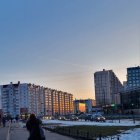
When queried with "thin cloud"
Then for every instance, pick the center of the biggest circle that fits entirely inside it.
(72, 64)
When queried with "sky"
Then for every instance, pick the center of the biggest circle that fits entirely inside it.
(60, 44)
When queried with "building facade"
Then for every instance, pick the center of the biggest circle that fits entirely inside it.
(133, 77)
(36, 99)
(84, 106)
(58, 102)
(13, 99)
(130, 95)
(130, 100)
(18, 99)
(21, 98)
(107, 87)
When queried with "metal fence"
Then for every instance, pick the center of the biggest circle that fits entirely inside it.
(79, 134)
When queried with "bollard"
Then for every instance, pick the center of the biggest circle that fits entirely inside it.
(100, 136)
(69, 131)
(87, 135)
(133, 119)
(77, 133)
(119, 118)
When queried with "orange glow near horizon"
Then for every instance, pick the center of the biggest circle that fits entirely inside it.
(82, 107)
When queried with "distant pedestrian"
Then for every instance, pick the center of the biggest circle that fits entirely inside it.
(34, 128)
(3, 121)
(132, 112)
(16, 118)
(0, 119)
(11, 118)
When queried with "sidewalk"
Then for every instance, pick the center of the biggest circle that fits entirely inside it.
(20, 133)
(3, 132)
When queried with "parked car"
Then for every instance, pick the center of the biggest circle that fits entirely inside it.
(96, 117)
(89, 117)
(71, 117)
(82, 116)
(74, 118)
(99, 118)
(61, 118)
(48, 117)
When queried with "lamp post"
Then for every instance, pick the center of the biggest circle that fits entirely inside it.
(132, 113)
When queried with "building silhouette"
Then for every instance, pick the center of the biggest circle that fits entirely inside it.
(130, 95)
(133, 77)
(107, 87)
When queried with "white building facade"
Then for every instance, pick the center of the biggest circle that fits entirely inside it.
(24, 98)
(14, 98)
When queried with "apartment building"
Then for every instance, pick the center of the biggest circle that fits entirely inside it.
(133, 77)
(14, 98)
(130, 96)
(107, 87)
(22, 98)
(58, 102)
(36, 99)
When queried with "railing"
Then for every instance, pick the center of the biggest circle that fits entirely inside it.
(122, 117)
(80, 134)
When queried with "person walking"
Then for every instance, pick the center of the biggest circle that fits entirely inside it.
(11, 118)
(34, 128)
(0, 119)
(16, 118)
(3, 121)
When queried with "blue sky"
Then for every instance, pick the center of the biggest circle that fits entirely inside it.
(61, 43)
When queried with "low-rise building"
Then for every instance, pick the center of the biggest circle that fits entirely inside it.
(84, 105)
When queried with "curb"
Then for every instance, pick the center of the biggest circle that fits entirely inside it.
(8, 132)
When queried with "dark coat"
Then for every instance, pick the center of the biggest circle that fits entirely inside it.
(33, 128)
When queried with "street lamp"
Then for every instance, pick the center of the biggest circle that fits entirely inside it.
(132, 113)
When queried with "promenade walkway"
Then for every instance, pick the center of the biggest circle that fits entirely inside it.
(19, 133)
(3, 132)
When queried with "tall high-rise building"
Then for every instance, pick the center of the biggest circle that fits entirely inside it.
(130, 96)
(133, 77)
(24, 98)
(36, 99)
(14, 98)
(107, 87)
(58, 102)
